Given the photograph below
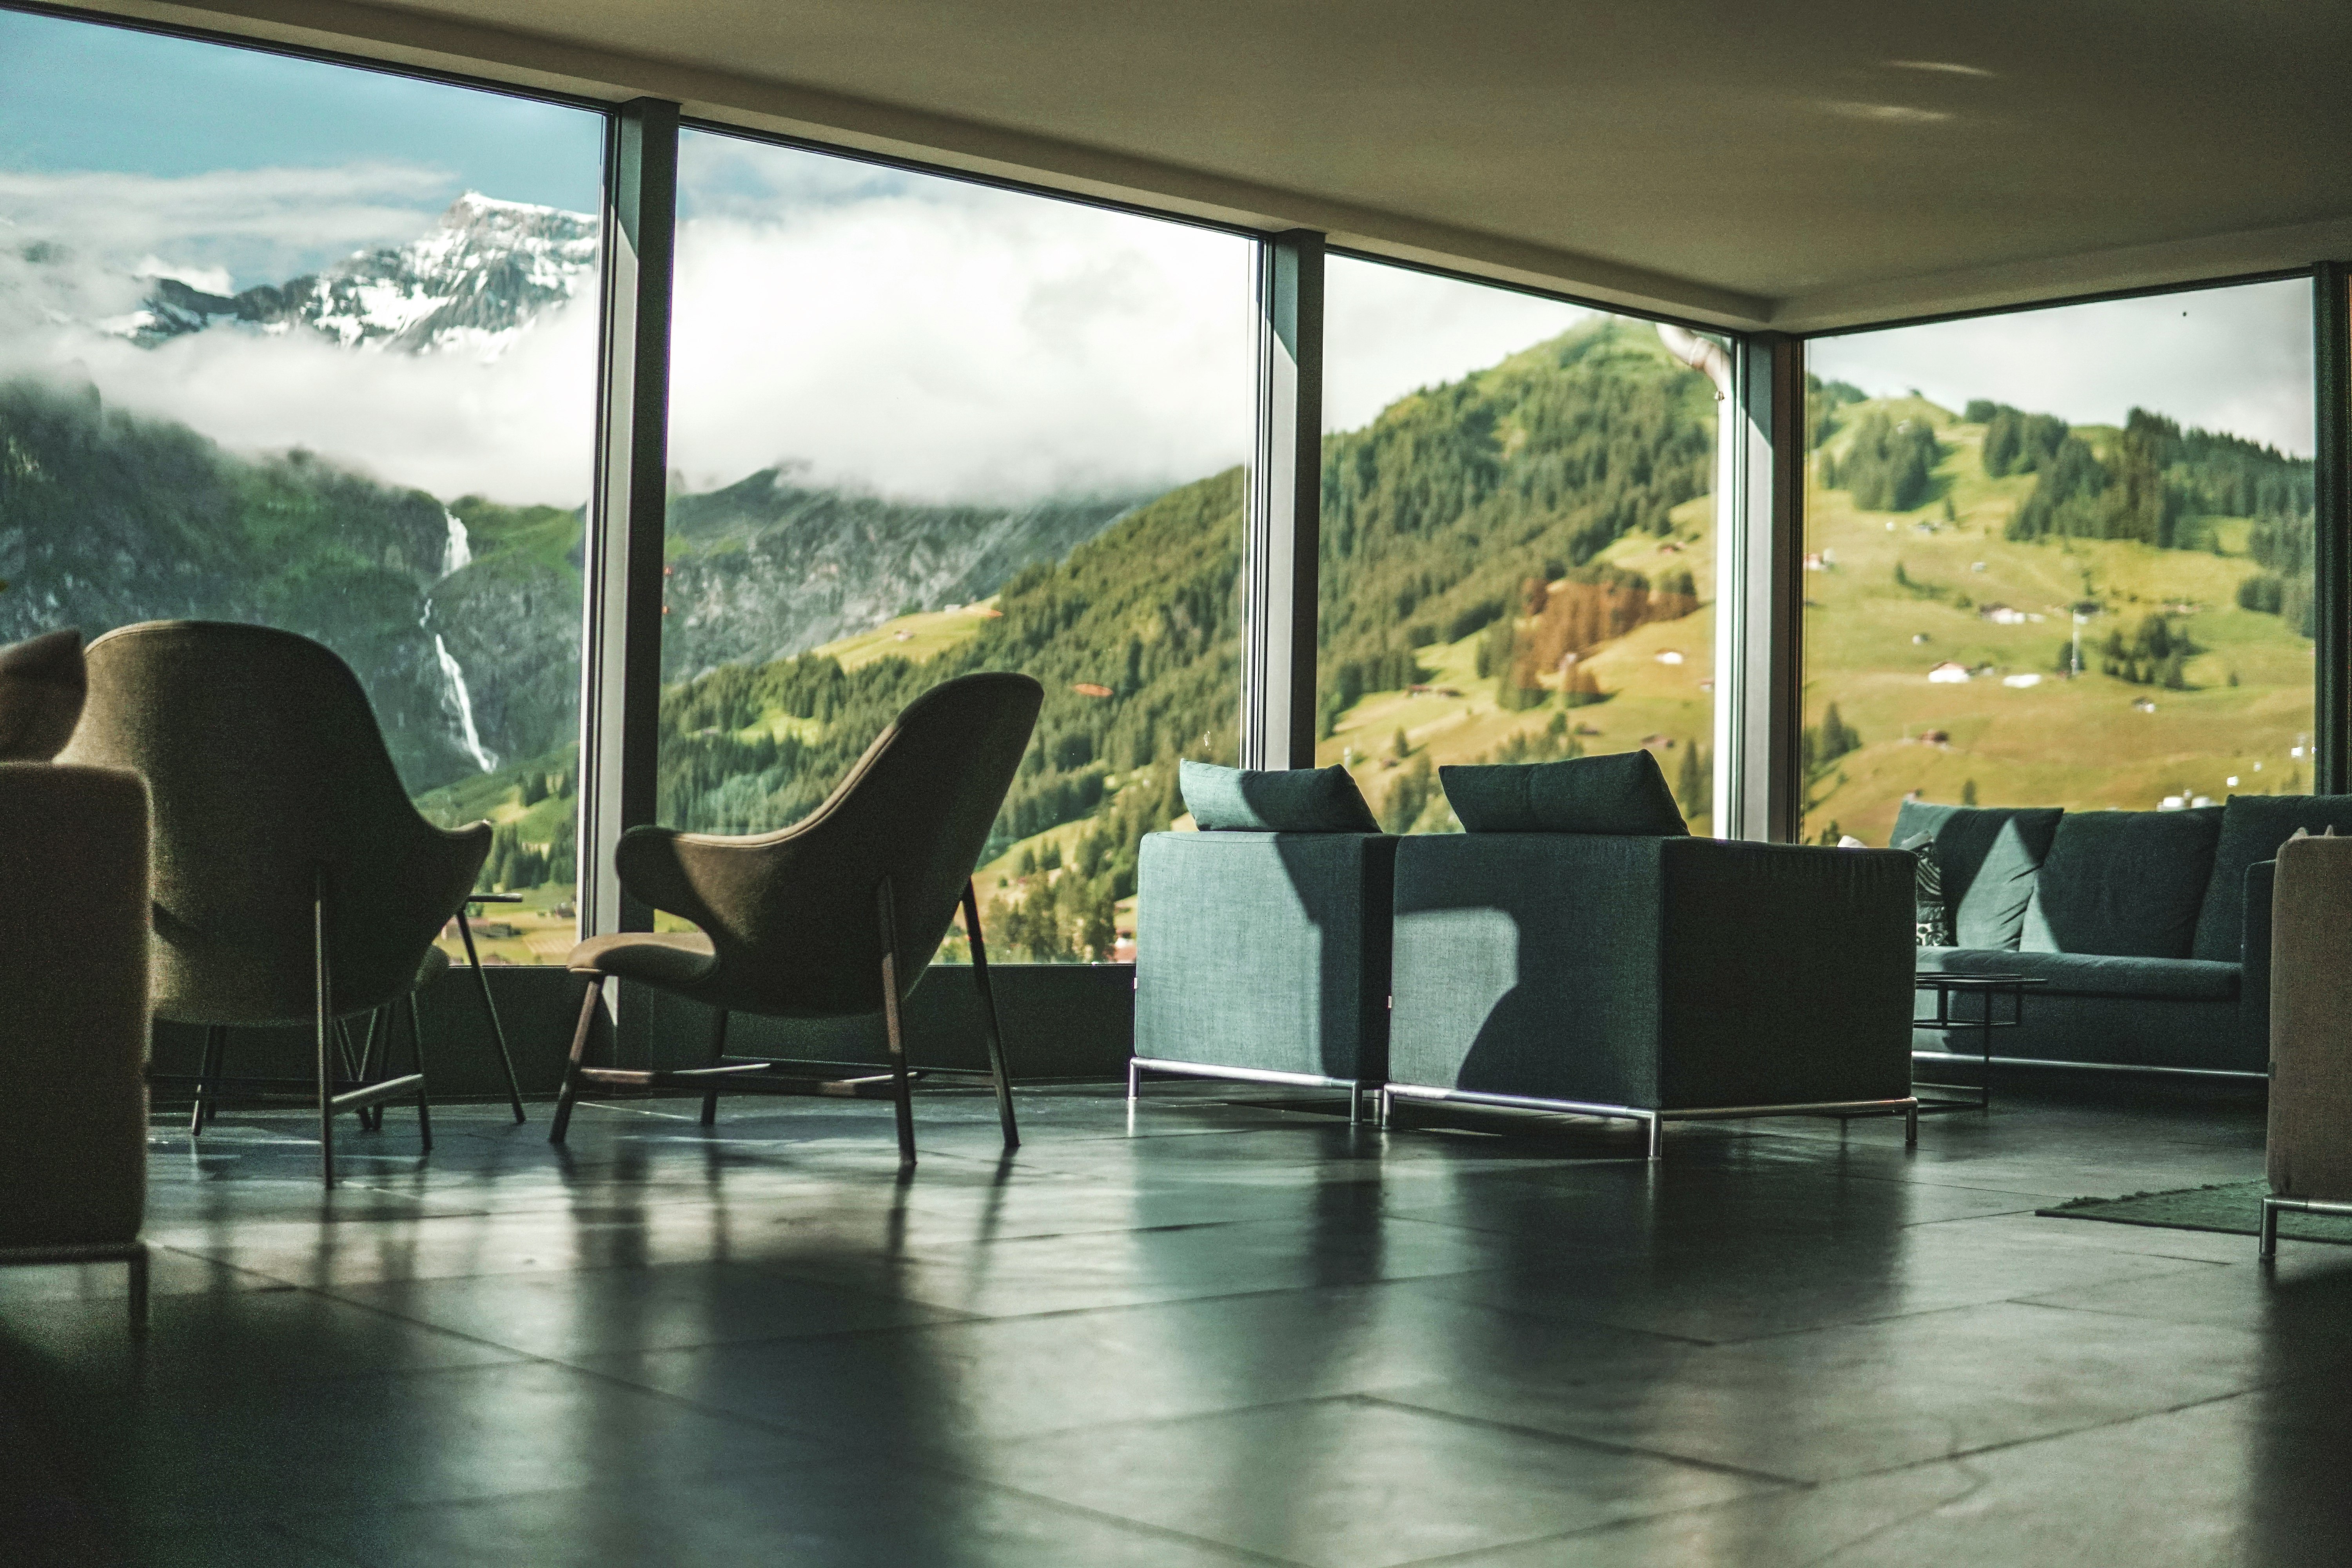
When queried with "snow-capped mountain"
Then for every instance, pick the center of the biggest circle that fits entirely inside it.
(479, 278)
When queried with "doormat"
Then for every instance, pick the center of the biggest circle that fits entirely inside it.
(2233, 1208)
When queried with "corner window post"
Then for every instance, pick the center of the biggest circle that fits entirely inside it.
(2331, 317)
(1759, 596)
(1285, 498)
(620, 695)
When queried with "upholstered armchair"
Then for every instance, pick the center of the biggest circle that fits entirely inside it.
(2311, 1034)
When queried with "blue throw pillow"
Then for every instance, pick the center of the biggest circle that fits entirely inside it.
(1290, 800)
(1622, 794)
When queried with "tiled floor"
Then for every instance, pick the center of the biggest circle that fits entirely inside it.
(1215, 1335)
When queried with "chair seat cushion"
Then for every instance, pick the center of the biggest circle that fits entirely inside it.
(679, 960)
(2092, 974)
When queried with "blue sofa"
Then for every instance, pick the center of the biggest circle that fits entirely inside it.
(2150, 930)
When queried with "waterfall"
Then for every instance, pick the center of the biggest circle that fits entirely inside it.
(456, 556)
(458, 553)
(464, 700)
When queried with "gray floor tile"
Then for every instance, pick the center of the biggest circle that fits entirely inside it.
(1350, 1484)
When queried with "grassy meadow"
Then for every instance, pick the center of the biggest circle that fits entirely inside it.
(2093, 740)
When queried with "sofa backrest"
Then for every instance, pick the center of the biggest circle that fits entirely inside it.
(1989, 856)
(2253, 828)
(2125, 883)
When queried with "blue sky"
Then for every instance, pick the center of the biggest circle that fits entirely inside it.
(77, 98)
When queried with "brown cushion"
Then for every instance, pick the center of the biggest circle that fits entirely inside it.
(41, 689)
(670, 959)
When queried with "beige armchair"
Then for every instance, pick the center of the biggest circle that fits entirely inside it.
(2311, 1034)
(73, 1035)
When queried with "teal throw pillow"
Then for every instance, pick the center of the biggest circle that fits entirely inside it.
(1989, 857)
(1622, 794)
(1291, 800)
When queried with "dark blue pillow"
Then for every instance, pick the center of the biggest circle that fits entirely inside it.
(1291, 800)
(1624, 793)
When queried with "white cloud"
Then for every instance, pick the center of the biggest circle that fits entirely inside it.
(939, 341)
(2226, 359)
(1388, 332)
(259, 225)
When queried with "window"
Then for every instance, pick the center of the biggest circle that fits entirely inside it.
(1519, 540)
(2061, 558)
(288, 343)
(921, 426)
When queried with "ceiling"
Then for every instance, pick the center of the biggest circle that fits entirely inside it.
(1806, 165)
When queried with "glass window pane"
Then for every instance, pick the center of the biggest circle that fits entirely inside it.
(293, 343)
(920, 427)
(1519, 540)
(2061, 557)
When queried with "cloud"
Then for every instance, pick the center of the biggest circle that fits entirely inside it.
(939, 341)
(1388, 332)
(260, 225)
(2234, 359)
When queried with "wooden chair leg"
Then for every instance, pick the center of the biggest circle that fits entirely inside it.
(416, 1050)
(717, 1053)
(571, 1091)
(901, 1087)
(996, 1064)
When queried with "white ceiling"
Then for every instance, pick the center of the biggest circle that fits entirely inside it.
(1810, 163)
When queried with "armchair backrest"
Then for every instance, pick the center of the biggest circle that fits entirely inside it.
(267, 770)
(792, 914)
(2311, 1020)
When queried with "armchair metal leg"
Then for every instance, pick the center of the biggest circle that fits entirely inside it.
(138, 1261)
(996, 1064)
(417, 1049)
(497, 1029)
(323, 990)
(571, 1090)
(1134, 1082)
(901, 1094)
(215, 1048)
(718, 1055)
(2267, 1248)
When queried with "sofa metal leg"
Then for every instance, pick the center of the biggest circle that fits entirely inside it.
(1355, 1104)
(1654, 1137)
(1134, 1080)
(2267, 1248)
(1911, 1125)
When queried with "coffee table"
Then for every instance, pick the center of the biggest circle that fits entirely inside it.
(1984, 1018)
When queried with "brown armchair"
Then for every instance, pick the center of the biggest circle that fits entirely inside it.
(2310, 1152)
(294, 882)
(837, 916)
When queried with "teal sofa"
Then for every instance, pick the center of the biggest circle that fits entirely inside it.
(1264, 957)
(1652, 978)
(2150, 930)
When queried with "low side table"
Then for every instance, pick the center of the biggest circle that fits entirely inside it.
(1948, 1021)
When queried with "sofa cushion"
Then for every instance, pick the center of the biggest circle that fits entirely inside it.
(1275, 800)
(1624, 793)
(1989, 856)
(2092, 974)
(42, 685)
(2123, 882)
(2253, 828)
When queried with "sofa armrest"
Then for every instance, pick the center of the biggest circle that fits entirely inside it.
(1264, 950)
(2254, 957)
(73, 1034)
(1788, 973)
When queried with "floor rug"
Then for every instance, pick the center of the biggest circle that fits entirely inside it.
(2233, 1207)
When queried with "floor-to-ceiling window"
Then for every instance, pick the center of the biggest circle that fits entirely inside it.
(1518, 539)
(921, 426)
(2061, 557)
(289, 342)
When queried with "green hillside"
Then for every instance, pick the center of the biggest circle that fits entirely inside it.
(2187, 556)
